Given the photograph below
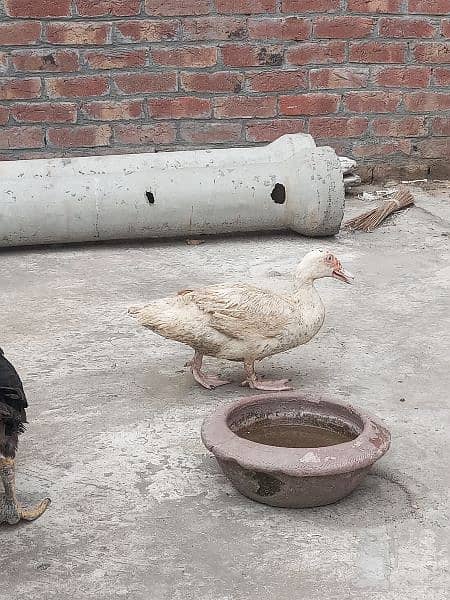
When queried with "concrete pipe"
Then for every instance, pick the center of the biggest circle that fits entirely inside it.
(288, 184)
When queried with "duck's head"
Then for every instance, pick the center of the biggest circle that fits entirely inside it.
(321, 263)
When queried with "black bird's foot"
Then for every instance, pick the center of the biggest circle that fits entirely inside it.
(11, 513)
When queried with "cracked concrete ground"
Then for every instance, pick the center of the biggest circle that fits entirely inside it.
(140, 509)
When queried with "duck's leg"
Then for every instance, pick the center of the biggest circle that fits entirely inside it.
(252, 380)
(207, 381)
(10, 510)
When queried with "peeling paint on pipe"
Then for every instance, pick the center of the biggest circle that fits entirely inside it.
(288, 184)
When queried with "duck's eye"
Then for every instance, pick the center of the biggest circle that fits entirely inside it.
(329, 258)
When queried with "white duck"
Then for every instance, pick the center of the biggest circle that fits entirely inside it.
(243, 323)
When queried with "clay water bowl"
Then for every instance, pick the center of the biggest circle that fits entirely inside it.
(289, 450)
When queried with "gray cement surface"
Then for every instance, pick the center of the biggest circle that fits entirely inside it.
(140, 509)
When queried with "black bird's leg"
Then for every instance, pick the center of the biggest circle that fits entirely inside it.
(10, 510)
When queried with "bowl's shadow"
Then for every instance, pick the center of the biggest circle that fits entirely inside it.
(383, 497)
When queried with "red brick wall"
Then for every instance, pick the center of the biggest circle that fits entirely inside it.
(369, 77)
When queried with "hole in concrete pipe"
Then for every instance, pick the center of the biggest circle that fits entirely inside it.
(150, 197)
(278, 194)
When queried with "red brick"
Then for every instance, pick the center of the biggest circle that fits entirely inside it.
(429, 7)
(377, 52)
(433, 53)
(439, 169)
(30, 9)
(210, 133)
(4, 115)
(246, 7)
(146, 83)
(242, 107)
(316, 53)
(214, 28)
(372, 102)
(267, 131)
(31, 154)
(377, 148)
(403, 77)
(77, 87)
(110, 110)
(167, 8)
(252, 56)
(103, 8)
(277, 81)
(386, 171)
(220, 81)
(341, 147)
(42, 112)
(375, 6)
(399, 127)
(434, 148)
(183, 107)
(343, 27)
(406, 28)
(309, 104)
(427, 101)
(19, 89)
(286, 28)
(81, 136)
(188, 56)
(115, 59)
(337, 127)
(76, 33)
(441, 126)
(338, 77)
(145, 134)
(56, 61)
(442, 76)
(20, 33)
(445, 27)
(302, 6)
(147, 31)
(21, 137)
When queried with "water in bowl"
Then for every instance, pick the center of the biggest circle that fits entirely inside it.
(293, 434)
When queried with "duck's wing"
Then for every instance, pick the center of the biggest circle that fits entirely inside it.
(241, 310)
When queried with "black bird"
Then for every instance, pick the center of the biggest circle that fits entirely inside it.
(13, 417)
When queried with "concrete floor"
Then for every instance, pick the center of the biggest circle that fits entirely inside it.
(140, 509)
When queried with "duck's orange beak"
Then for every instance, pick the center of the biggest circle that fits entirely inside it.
(341, 274)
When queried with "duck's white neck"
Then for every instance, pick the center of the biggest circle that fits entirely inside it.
(304, 289)
(303, 279)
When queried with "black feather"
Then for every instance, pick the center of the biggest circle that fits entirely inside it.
(13, 403)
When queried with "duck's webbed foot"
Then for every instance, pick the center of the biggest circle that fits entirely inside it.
(268, 385)
(207, 381)
(11, 512)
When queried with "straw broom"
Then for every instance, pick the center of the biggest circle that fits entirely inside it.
(370, 220)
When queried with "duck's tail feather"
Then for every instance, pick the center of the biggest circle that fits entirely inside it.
(134, 310)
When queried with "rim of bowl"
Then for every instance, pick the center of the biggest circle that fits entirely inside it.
(361, 452)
